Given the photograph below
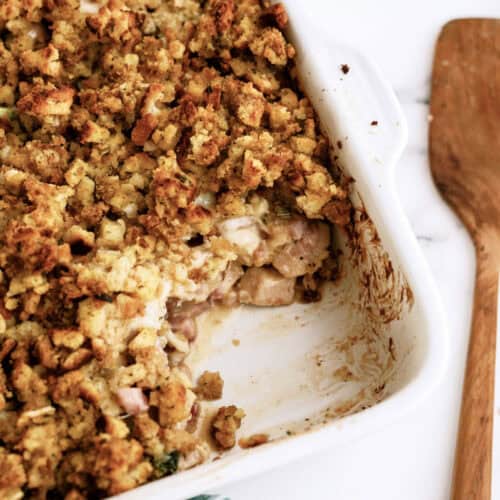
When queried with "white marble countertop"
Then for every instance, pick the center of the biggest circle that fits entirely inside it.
(411, 460)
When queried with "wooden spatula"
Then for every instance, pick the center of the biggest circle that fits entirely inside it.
(465, 161)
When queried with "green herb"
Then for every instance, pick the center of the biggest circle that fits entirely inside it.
(9, 113)
(166, 465)
(105, 298)
(283, 212)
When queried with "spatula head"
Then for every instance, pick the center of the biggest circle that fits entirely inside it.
(464, 140)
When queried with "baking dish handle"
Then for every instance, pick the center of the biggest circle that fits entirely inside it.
(382, 130)
(355, 102)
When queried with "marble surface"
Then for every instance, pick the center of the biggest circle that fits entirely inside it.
(411, 460)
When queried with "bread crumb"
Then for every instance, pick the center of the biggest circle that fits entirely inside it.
(210, 386)
(253, 440)
(225, 424)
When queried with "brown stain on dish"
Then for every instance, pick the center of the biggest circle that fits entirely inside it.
(384, 291)
(253, 440)
(383, 295)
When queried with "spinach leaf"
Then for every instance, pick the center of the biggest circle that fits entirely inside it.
(166, 465)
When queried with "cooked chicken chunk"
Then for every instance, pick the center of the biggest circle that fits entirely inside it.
(279, 232)
(181, 317)
(184, 325)
(244, 233)
(266, 287)
(305, 255)
(132, 400)
(231, 275)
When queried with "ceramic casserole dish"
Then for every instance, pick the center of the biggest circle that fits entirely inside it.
(313, 376)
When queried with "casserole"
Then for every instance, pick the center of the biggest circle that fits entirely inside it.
(309, 376)
(113, 253)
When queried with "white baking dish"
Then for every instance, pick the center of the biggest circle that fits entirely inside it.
(290, 372)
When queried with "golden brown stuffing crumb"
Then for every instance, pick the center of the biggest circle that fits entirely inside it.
(12, 474)
(118, 464)
(74, 495)
(172, 403)
(179, 440)
(44, 100)
(210, 386)
(225, 424)
(278, 13)
(253, 440)
(154, 155)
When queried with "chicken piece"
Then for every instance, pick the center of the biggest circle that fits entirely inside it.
(243, 233)
(284, 231)
(305, 255)
(231, 275)
(185, 326)
(266, 287)
(132, 400)
(280, 232)
(181, 317)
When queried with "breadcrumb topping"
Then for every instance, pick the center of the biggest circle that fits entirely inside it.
(225, 424)
(210, 386)
(157, 157)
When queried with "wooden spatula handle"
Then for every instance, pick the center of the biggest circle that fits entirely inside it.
(473, 459)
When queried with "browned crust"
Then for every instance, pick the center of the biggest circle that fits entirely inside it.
(126, 137)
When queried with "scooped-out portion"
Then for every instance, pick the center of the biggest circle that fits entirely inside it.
(157, 159)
